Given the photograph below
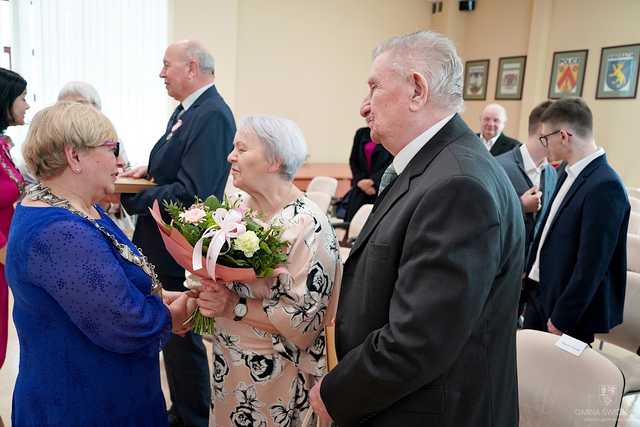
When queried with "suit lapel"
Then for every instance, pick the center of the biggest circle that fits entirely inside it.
(517, 156)
(577, 184)
(450, 132)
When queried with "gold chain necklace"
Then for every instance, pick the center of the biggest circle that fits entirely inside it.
(42, 193)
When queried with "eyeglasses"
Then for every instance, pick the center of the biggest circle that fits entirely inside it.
(112, 144)
(544, 139)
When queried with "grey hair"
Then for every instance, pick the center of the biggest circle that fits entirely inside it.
(82, 90)
(436, 58)
(196, 51)
(283, 141)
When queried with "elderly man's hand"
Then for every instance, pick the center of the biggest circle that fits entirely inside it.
(366, 185)
(317, 404)
(137, 172)
(531, 200)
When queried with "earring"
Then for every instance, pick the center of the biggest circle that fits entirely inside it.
(77, 170)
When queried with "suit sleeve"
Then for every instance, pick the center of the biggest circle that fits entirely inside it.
(446, 270)
(605, 217)
(203, 166)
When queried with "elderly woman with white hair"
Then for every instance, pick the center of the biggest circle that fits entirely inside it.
(269, 346)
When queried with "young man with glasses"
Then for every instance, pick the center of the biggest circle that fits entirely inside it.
(577, 263)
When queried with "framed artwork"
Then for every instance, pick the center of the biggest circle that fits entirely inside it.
(475, 80)
(567, 73)
(618, 72)
(510, 77)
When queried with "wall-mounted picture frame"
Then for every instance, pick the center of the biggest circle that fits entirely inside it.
(618, 72)
(510, 77)
(567, 73)
(476, 74)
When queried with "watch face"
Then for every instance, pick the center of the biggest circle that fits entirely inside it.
(240, 310)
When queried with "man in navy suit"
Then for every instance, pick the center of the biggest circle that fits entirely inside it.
(578, 261)
(531, 175)
(188, 161)
(492, 123)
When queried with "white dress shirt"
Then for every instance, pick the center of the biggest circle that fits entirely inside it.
(572, 173)
(533, 172)
(402, 159)
(489, 143)
(189, 100)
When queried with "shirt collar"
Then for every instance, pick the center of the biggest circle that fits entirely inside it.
(402, 159)
(529, 164)
(189, 100)
(575, 169)
(492, 140)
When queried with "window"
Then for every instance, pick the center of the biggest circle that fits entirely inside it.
(116, 45)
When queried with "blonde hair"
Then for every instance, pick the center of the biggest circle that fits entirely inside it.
(79, 126)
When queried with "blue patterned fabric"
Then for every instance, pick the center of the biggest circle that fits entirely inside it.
(89, 330)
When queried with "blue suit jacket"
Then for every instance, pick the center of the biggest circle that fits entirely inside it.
(191, 162)
(583, 260)
(513, 165)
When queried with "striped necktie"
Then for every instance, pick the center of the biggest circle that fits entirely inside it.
(388, 177)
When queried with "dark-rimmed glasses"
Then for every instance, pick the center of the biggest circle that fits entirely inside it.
(112, 144)
(544, 139)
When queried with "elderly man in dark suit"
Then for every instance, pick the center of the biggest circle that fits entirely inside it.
(578, 261)
(189, 160)
(492, 123)
(425, 329)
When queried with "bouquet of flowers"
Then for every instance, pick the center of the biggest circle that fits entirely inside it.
(221, 240)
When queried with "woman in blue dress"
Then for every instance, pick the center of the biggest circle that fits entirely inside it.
(87, 304)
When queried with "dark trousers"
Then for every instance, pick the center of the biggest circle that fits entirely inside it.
(536, 318)
(187, 368)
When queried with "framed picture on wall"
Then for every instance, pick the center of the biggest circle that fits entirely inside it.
(618, 72)
(476, 74)
(567, 73)
(510, 77)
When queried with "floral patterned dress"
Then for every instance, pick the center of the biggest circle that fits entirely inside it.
(261, 379)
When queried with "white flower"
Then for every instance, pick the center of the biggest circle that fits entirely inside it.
(193, 215)
(248, 243)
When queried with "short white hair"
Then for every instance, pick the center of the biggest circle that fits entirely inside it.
(436, 58)
(194, 50)
(82, 90)
(501, 110)
(283, 141)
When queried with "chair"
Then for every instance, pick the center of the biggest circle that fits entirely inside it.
(634, 222)
(323, 184)
(323, 200)
(558, 389)
(627, 337)
(633, 253)
(355, 225)
(635, 204)
(634, 192)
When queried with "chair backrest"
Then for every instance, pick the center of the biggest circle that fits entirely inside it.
(627, 334)
(634, 192)
(324, 184)
(635, 204)
(358, 220)
(633, 252)
(634, 222)
(558, 389)
(323, 200)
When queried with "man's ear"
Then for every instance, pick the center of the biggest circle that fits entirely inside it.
(420, 94)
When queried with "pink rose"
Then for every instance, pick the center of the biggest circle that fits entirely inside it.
(193, 215)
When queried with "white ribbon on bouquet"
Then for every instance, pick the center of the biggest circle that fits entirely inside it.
(231, 225)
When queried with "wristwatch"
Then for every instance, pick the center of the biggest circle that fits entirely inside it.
(240, 310)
